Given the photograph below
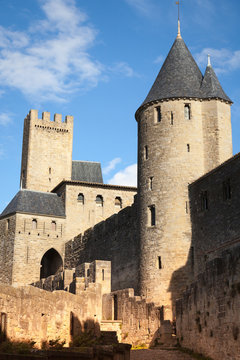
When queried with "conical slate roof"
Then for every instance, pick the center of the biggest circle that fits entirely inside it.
(179, 76)
(35, 202)
(211, 87)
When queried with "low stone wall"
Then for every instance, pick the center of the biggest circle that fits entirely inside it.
(208, 316)
(114, 240)
(28, 313)
(140, 320)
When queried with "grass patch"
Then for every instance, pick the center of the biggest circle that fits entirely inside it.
(139, 347)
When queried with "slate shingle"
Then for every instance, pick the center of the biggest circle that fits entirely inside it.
(211, 87)
(35, 202)
(87, 171)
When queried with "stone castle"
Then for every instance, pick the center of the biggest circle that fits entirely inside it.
(135, 259)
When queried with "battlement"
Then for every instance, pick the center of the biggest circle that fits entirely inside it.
(46, 120)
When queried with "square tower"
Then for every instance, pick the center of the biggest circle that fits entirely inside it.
(46, 151)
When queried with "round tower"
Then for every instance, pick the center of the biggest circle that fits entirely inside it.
(173, 151)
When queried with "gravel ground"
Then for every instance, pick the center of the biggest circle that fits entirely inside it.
(158, 355)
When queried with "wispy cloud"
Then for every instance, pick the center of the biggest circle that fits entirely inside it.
(52, 59)
(159, 59)
(223, 60)
(127, 176)
(5, 118)
(143, 7)
(1, 151)
(111, 165)
(122, 68)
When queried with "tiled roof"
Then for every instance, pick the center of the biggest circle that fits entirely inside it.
(87, 171)
(211, 87)
(35, 202)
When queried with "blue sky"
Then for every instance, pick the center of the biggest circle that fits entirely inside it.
(96, 60)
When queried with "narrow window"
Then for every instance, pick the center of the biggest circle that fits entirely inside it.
(34, 224)
(159, 262)
(188, 147)
(152, 215)
(171, 118)
(186, 207)
(204, 200)
(80, 198)
(88, 272)
(159, 114)
(118, 202)
(146, 152)
(99, 200)
(150, 183)
(187, 112)
(7, 224)
(54, 225)
(49, 171)
(227, 192)
(3, 325)
(192, 256)
(102, 274)
(49, 179)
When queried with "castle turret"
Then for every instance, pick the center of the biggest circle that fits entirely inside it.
(46, 151)
(184, 130)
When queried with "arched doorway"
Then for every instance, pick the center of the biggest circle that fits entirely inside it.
(51, 263)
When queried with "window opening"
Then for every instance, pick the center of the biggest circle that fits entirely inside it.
(187, 111)
(188, 147)
(146, 152)
(118, 202)
(171, 118)
(204, 200)
(159, 114)
(152, 215)
(34, 224)
(159, 262)
(192, 256)
(102, 274)
(88, 272)
(7, 224)
(99, 200)
(151, 183)
(186, 207)
(3, 325)
(49, 171)
(227, 192)
(80, 198)
(54, 225)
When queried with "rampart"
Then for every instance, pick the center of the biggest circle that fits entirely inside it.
(208, 317)
(215, 213)
(113, 240)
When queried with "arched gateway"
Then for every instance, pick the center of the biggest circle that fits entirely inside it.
(51, 263)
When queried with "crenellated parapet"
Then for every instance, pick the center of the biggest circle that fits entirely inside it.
(45, 122)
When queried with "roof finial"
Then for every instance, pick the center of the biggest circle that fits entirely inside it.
(209, 60)
(179, 32)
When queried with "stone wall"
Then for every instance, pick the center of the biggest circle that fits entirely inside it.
(114, 240)
(81, 215)
(25, 243)
(208, 317)
(7, 236)
(140, 321)
(38, 315)
(215, 220)
(47, 151)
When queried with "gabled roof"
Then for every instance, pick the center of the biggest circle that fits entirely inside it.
(211, 87)
(87, 171)
(179, 76)
(35, 202)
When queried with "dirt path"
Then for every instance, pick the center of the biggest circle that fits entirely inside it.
(158, 355)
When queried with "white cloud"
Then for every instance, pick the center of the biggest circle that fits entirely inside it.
(5, 118)
(52, 59)
(223, 60)
(122, 68)
(144, 7)
(159, 59)
(127, 176)
(111, 165)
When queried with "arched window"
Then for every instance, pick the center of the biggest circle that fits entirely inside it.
(81, 198)
(99, 200)
(34, 224)
(187, 112)
(51, 263)
(54, 225)
(118, 202)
